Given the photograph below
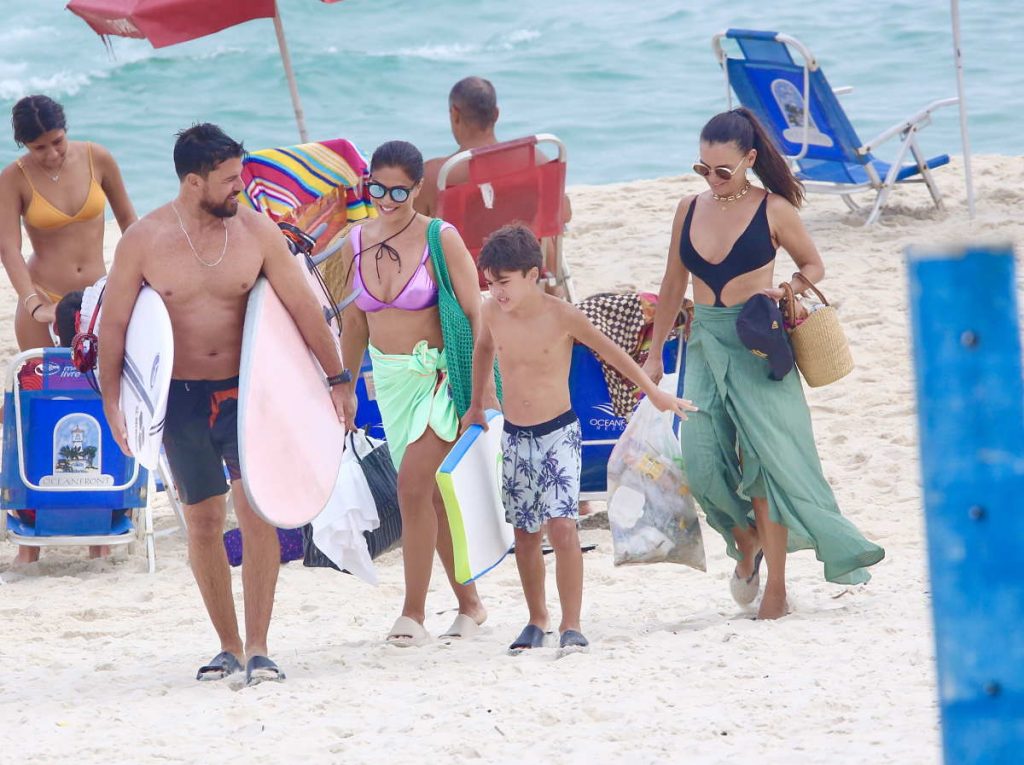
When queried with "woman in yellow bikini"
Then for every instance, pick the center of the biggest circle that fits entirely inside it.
(59, 190)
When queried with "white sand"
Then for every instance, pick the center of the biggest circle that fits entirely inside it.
(98, 657)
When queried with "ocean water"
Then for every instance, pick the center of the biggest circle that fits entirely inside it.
(627, 87)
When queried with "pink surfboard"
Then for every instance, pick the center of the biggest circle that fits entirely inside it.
(289, 438)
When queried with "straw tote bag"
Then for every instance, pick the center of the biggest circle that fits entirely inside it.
(819, 344)
(455, 327)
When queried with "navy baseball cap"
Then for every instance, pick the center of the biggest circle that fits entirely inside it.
(760, 328)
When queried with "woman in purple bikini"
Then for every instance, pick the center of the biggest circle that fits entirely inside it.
(395, 314)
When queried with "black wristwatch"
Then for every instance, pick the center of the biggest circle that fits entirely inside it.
(344, 377)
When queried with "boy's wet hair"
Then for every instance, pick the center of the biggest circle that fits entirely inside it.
(511, 248)
(401, 154)
(201, 148)
(67, 314)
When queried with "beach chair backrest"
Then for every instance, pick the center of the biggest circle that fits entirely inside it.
(505, 185)
(57, 448)
(769, 82)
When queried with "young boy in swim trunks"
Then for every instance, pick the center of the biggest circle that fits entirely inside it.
(533, 334)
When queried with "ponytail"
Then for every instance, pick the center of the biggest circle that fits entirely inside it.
(741, 127)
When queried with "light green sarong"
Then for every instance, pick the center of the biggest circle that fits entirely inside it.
(744, 412)
(412, 393)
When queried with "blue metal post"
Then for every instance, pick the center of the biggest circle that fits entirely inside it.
(970, 394)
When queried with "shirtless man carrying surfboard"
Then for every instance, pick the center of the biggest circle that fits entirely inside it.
(202, 253)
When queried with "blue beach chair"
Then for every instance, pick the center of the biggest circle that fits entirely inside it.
(800, 110)
(60, 460)
(600, 426)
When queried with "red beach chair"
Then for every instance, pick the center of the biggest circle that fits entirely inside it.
(509, 182)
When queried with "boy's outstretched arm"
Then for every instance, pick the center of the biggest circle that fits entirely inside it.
(581, 328)
(483, 373)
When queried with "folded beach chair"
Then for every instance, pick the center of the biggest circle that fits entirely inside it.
(507, 185)
(801, 111)
(60, 467)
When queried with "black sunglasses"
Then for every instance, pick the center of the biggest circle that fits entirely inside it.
(398, 193)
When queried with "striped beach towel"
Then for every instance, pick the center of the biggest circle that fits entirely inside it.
(280, 182)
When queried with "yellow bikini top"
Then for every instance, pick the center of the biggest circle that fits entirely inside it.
(41, 213)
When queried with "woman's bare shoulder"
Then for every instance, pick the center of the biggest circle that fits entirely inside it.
(782, 214)
(685, 203)
(13, 186)
(101, 155)
(12, 174)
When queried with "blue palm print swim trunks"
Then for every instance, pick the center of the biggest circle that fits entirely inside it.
(540, 471)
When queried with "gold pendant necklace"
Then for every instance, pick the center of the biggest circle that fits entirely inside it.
(732, 197)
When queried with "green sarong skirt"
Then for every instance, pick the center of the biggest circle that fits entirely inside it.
(752, 438)
(412, 393)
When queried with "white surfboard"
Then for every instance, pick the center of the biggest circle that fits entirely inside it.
(290, 441)
(146, 376)
(470, 483)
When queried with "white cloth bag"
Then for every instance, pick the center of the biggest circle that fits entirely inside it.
(351, 510)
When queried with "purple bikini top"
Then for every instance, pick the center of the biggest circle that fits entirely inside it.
(418, 293)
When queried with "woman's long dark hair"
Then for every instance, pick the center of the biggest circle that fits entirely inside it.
(741, 127)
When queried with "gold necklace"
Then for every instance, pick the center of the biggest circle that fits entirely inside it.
(732, 197)
(223, 250)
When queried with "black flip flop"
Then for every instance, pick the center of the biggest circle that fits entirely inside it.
(223, 664)
(572, 642)
(260, 668)
(532, 636)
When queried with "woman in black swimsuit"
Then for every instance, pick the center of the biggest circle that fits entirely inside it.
(750, 453)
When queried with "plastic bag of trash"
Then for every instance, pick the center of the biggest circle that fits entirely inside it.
(650, 509)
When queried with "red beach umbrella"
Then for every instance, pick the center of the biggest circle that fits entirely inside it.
(168, 22)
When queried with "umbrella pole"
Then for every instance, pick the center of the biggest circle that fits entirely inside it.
(293, 88)
(965, 141)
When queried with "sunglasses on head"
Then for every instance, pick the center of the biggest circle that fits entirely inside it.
(703, 169)
(398, 193)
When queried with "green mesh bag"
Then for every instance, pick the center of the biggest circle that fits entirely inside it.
(455, 327)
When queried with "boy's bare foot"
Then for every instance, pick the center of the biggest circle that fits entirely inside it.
(99, 551)
(773, 605)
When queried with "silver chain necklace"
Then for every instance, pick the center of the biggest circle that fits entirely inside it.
(223, 250)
